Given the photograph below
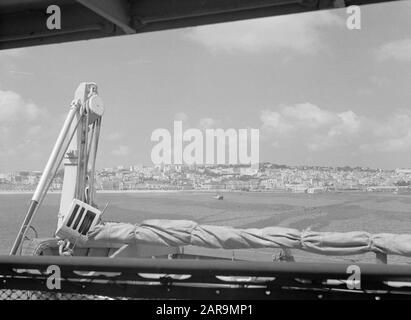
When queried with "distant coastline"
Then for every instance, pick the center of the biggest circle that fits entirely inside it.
(115, 191)
(213, 191)
(145, 191)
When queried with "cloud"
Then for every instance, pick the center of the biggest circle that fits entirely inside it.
(288, 118)
(184, 118)
(114, 136)
(207, 123)
(34, 130)
(13, 107)
(17, 73)
(299, 33)
(20, 121)
(309, 127)
(397, 50)
(139, 61)
(181, 116)
(121, 150)
(13, 53)
(402, 143)
(391, 135)
(379, 81)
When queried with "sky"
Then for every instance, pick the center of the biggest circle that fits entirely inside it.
(319, 93)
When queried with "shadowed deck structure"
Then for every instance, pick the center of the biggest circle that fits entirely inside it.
(23, 22)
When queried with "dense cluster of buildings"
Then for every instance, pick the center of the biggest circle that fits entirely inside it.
(268, 177)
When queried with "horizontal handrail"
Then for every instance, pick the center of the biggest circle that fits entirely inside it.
(203, 279)
(201, 267)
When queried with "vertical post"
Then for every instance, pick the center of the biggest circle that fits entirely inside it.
(43, 183)
(96, 135)
(381, 257)
(76, 173)
(70, 171)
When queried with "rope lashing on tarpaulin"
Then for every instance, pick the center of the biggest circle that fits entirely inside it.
(176, 233)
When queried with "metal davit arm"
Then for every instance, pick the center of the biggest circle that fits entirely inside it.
(79, 161)
(85, 112)
(42, 187)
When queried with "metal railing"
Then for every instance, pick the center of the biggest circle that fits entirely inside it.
(94, 278)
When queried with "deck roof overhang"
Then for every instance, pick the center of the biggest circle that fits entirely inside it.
(23, 22)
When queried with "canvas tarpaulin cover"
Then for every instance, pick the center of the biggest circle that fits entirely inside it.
(176, 233)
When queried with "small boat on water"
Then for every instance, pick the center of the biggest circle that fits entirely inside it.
(219, 197)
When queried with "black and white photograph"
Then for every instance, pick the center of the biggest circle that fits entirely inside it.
(205, 155)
